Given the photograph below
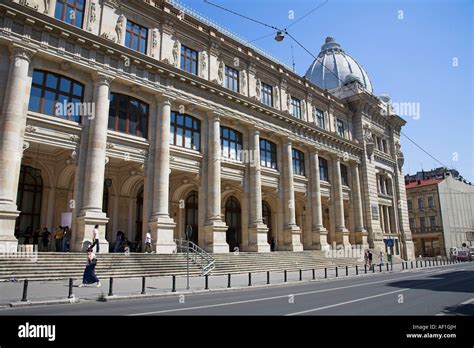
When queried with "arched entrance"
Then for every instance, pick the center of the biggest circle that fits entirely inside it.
(233, 219)
(30, 191)
(267, 220)
(191, 206)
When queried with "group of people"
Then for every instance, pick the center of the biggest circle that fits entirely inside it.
(61, 236)
(369, 258)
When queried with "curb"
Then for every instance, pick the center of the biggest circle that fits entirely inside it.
(42, 303)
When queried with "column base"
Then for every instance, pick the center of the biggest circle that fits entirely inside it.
(8, 241)
(84, 233)
(362, 238)
(162, 235)
(291, 239)
(319, 238)
(259, 239)
(216, 237)
(342, 237)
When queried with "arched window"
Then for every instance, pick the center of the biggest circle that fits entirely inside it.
(344, 176)
(185, 131)
(128, 115)
(323, 169)
(57, 95)
(231, 143)
(298, 162)
(268, 154)
(30, 190)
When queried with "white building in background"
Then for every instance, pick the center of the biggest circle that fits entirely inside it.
(190, 126)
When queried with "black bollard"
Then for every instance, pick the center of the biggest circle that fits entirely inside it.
(387, 266)
(326, 273)
(70, 295)
(337, 273)
(268, 277)
(143, 285)
(365, 269)
(25, 291)
(284, 276)
(380, 267)
(301, 275)
(250, 279)
(173, 282)
(111, 286)
(357, 270)
(347, 270)
(228, 281)
(314, 274)
(206, 281)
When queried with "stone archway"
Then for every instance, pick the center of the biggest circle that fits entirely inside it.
(233, 220)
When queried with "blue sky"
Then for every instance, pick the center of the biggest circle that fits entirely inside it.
(416, 51)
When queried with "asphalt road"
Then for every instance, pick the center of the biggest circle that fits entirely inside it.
(447, 290)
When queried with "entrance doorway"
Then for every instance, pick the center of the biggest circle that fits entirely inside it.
(139, 220)
(267, 220)
(192, 206)
(30, 191)
(233, 218)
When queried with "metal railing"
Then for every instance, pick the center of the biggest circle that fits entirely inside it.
(197, 255)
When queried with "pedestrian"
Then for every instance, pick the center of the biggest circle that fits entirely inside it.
(27, 235)
(45, 239)
(89, 276)
(36, 236)
(370, 258)
(366, 258)
(148, 242)
(66, 239)
(95, 238)
(118, 241)
(272, 244)
(58, 237)
(381, 258)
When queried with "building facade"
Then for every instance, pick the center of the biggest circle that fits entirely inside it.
(140, 115)
(441, 214)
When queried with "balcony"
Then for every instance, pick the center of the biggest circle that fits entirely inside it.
(431, 229)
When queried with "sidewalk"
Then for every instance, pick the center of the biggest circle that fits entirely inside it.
(52, 291)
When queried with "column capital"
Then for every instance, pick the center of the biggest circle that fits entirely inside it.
(164, 98)
(100, 78)
(21, 52)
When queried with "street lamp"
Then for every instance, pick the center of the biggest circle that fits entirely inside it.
(279, 36)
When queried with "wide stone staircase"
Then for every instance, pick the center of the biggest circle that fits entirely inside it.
(49, 266)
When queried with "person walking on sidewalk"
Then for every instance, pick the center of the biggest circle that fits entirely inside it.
(89, 276)
(370, 259)
(95, 237)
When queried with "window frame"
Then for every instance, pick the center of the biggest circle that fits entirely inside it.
(298, 160)
(319, 118)
(267, 94)
(421, 203)
(340, 123)
(130, 34)
(236, 144)
(296, 108)
(43, 87)
(187, 54)
(117, 109)
(323, 166)
(344, 174)
(73, 7)
(194, 129)
(232, 77)
(272, 152)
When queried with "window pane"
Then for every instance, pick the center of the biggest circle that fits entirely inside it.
(196, 145)
(65, 85)
(189, 122)
(64, 110)
(179, 136)
(48, 106)
(187, 142)
(180, 120)
(51, 81)
(35, 99)
(38, 77)
(122, 121)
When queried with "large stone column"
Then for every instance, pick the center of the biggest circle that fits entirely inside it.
(291, 232)
(360, 231)
(215, 229)
(12, 125)
(258, 231)
(319, 232)
(161, 225)
(342, 233)
(92, 183)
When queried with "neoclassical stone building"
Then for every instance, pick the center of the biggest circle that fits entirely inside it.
(140, 115)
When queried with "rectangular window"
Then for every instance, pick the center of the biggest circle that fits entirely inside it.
(412, 223)
(430, 202)
(298, 162)
(185, 131)
(70, 11)
(323, 169)
(189, 60)
(344, 176)
(56, 95)
(136, 37)
(267, 94)
(319, 118)
(420, 203)
(268, 154)
(128, 115)
(295, 107)
(432, 221)
(232, 79)
(410, 204)
(340, 128)
(422, 223)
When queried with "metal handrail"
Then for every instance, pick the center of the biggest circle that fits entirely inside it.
(197, 255)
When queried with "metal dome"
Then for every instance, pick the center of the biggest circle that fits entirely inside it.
(332, 61)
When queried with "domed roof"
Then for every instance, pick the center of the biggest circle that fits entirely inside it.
(332, 61)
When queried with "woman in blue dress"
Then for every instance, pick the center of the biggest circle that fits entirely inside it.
(89, 276)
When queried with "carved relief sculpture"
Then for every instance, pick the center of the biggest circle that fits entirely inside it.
(119, 28)
(154, 41)
(220, 72)
(175, 52)
(258, 89)
(46, 6)
(92, 14)
(203, 64)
